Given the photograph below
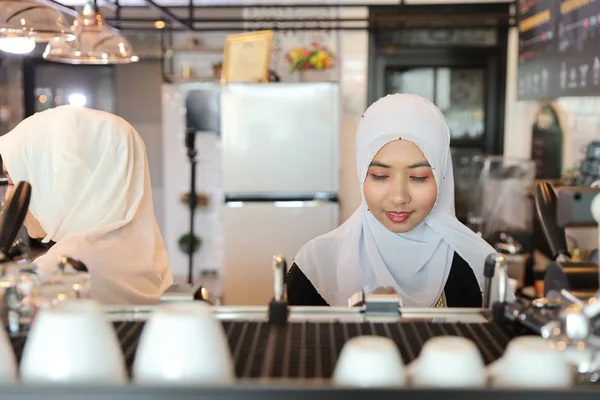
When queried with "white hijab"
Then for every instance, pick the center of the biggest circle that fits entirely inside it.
(91, 194)
(362, 253)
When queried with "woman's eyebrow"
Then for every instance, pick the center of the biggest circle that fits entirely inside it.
(378, 164)
(420, 164)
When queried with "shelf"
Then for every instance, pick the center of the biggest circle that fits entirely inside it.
(199, 79)
(169, 52)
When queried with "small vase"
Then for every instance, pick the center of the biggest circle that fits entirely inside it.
(315, 75)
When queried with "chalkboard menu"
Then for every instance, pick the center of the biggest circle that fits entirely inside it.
(559, 48)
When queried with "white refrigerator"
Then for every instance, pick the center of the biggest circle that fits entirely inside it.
(280, 178)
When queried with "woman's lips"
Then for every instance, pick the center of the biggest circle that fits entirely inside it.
(397, 217)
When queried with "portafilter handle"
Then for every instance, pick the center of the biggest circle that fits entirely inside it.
(13, 216)
(489, 269)
(279, 265)
(545, 205)
(503, 283)
(75, 264)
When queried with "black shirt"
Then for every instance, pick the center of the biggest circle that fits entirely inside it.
(461, 290)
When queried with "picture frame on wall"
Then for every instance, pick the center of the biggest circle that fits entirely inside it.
(246, 57)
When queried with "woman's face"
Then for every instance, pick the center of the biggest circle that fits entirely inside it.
(399, 188)
(33, 226)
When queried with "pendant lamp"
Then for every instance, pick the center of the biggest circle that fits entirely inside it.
(25, 22)
(95, 42)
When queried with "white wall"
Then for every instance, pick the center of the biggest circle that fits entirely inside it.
(138, 101)
(354, 60)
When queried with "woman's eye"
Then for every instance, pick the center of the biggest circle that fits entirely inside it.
(419, 179)
(379, 177)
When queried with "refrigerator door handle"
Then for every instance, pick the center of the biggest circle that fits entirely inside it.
(280, 198)
(281, 204)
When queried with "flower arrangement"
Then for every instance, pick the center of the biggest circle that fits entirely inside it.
(315, 56)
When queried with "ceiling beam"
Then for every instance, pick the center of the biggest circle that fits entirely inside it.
(169, 16)
(64, 9)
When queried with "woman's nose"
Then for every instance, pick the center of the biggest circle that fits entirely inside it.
(399, 193)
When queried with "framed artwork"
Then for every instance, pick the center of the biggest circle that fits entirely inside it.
(246, 57)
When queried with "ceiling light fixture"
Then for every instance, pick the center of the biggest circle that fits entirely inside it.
(17, 45)
(95, 42)
(25, 22)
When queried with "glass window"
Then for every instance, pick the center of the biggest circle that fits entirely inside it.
(460, 96)
(419, 81)
(59, 84)
(458, 92)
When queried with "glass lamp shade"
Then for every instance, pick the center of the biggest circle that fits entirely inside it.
(17, 45)
(95, 43)
(32, 19)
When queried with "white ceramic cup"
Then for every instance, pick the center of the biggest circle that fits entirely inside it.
(72, 342)
(370, 361)
(183, 343)
(449, 361)
(531, 362)
(8, 362)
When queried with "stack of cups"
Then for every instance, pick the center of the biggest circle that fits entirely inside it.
(183, 344)
(370, 361)
(449, 361)
(531, 362)
(72, 343)
(452, 362)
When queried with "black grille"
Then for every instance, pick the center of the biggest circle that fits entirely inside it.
(311, 349)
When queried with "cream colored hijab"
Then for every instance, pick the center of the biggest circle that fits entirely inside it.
(362, 254)
(91, 194)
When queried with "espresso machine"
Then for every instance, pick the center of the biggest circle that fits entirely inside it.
(546, 347)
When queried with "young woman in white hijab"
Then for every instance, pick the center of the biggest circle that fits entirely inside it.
(91, 195)
(404, 234)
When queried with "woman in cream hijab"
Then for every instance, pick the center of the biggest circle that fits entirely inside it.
(91, 195)
(404, 234)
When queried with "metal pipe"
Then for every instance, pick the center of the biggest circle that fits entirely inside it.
(242, 20)
(64, 9)
(394, 18)
(118, 13)
(284, 29)
(168, 15)
(279, 6)
(191, 13)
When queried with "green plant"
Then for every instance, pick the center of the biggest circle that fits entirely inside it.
(186, 243)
